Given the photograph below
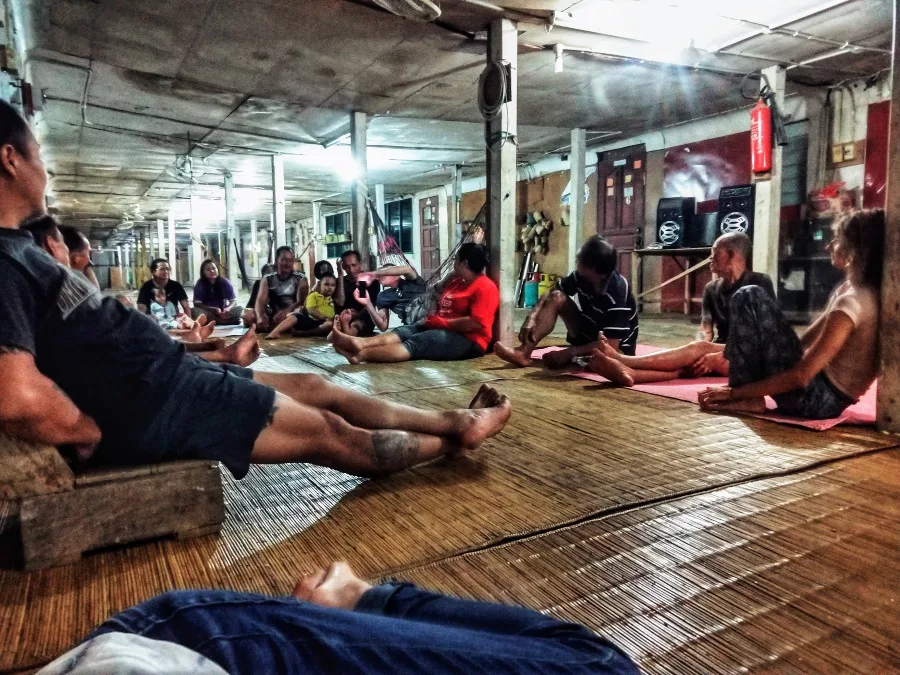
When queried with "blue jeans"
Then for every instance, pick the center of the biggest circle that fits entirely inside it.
(395, 628)
(762, 343)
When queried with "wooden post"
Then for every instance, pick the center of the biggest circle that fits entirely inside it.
(278, 205)
(576, 196)
(173, 249)
(767, 216)
(359, 192)
(501, 179)
(888, 407)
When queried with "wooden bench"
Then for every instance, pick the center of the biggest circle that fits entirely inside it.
(62, 515)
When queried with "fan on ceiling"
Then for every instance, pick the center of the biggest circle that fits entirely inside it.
(418, 10)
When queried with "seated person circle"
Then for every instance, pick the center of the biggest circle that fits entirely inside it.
(316, 317)
(214, 297)
(280, 293)
(461, 328)
(706, 355)
(83, 370)
(592, 301)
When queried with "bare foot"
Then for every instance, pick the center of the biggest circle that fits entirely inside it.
(193, 335)
(351, 357)
(749, 405)
(336, 587)
(488, 413)
(206, 331)
(558, 359)
(613, 370)
(517, 357)
(346, 343)
(245, 350)
(272, 336)
(606, 348)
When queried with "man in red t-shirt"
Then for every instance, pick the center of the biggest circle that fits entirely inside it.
(461, 328)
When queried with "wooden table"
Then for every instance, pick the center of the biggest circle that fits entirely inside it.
(701, 254)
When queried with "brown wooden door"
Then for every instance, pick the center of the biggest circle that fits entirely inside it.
(620, 204)
(431, 246)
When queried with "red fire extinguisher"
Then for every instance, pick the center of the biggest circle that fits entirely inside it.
(761, 137)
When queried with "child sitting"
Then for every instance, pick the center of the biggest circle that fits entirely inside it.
(166, 314)
(316, 317)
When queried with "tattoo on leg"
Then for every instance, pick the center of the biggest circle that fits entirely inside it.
(271, 416)
(394, 450)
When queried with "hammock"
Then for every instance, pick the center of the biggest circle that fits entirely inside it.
(390, 253)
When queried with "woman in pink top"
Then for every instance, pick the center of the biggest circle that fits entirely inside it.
(836, 360)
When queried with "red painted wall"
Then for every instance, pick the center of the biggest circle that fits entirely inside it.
(879, 118)
(700, 170)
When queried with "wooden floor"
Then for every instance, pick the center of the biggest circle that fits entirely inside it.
(701, 543)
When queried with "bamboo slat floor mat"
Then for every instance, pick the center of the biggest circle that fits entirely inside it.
(565, 456)
(797, 574)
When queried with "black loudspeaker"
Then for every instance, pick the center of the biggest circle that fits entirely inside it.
(674, 218)
(702, 232)
(737, 205)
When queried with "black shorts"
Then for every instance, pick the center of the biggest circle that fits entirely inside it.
(437, 344)
(213, 411)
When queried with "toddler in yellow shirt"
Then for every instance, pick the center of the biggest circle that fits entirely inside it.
(316, 317)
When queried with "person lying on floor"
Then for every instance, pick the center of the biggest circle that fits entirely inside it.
(248, 316)
(400, 285)
(461, 328)
(334, 622)
(317, 317)
(280, 293)
(706, 355)
(214, 297)
(83, 370)
(593, 300)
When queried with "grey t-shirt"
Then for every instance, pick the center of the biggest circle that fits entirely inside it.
(112, 361)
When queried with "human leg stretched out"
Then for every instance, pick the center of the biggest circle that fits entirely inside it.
(355, 439)
(668, 364)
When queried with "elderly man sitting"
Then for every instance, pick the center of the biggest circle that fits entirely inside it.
(706, 355)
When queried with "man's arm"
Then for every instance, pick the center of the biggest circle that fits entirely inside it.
(300, 299)
(706, 317)
(35, 409)
(404, 271)
(339, 291)
(262, 299)
(89, 273)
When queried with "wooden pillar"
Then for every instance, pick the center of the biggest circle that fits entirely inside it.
(173, 249)
(359, 191)
(767, 217)
(278, 205)
(454, 229)
(576, 196)
(160, 238)
(888, 407)
(229, 257)
(254, 254)
(317, 230)
(501, 179)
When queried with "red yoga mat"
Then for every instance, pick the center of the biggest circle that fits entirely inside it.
(861, 412)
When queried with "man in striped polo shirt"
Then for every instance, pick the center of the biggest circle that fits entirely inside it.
(593, 300)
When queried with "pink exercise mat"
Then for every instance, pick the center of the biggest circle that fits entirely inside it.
(861, 412)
